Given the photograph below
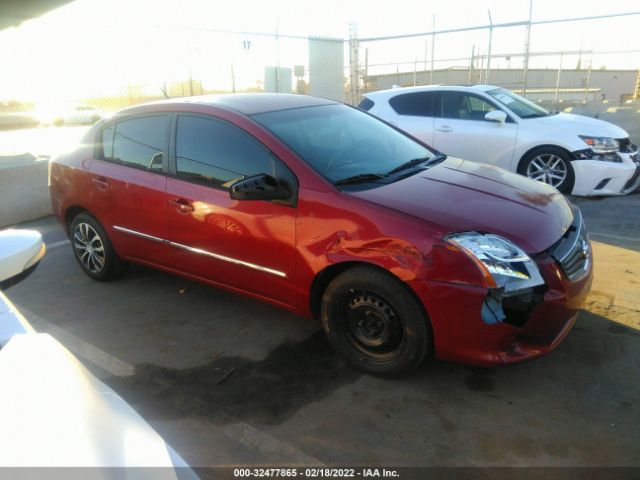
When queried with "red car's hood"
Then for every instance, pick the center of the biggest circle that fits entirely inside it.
(458, 195)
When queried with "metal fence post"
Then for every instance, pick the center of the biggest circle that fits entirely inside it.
(525, 65)
(555, 99)
(486, 75)
(433, 45)
(353, 61)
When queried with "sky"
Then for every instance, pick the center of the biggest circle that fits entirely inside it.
(95, 47)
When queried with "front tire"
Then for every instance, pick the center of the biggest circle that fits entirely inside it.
(93, 250)
(375, 323)
(549, 165)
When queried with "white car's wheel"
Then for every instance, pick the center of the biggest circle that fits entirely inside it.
(551, 166)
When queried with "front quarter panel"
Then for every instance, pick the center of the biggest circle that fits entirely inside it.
(334, 228)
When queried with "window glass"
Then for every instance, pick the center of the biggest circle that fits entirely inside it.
(140, 142)
(106, 141)
(517, 104)
(463, 106)
(418, 104)
(366, 104)
(340, 142)
(215, 152)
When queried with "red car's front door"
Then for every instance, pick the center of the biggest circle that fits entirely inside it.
(247, 245)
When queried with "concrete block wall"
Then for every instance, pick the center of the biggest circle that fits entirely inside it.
(24, 190)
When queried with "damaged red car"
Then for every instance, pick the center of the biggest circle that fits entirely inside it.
(323, 210)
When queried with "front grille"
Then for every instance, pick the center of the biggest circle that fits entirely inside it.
(632, 180)
(573, 250)
(625, 146)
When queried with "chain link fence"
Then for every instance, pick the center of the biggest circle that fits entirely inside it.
(199, 62)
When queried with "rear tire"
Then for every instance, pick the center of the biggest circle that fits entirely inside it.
(93, 250)
(375, 323)
(550, 165)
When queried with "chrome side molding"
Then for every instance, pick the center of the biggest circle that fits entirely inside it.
(200, 251)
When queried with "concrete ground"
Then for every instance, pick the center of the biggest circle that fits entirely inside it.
(227, 380)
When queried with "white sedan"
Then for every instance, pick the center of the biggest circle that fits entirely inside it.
(53, 411)
(575, 154)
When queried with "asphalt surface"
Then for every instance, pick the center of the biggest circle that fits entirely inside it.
(227, 380)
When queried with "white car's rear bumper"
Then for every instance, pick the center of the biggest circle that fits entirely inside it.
(596, 177)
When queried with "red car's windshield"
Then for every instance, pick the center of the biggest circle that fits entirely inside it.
(342, 143)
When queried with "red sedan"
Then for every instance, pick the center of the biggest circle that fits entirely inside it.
(324, 210)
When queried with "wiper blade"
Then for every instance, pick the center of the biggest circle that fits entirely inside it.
(415, 162)
(360, 178)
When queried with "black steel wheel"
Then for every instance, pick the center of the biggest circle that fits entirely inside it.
(374, 322)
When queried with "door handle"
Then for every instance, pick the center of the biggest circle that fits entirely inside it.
(100, 182)
(182, 205)
(444, 128)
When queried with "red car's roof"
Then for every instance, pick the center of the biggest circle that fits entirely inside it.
(247, 103)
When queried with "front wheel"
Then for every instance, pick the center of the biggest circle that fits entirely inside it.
(374, 322)
(551, 166)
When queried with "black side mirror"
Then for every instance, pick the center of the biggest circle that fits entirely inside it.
(258, 187)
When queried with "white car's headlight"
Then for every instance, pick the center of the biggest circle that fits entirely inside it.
(503, 264)
(601, 145)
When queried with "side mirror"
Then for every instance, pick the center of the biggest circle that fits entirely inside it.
(496, 116)
(258, 187)
(20, 254)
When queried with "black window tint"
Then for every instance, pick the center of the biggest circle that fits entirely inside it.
(106, 141)
(463, 106)
(140, 142)
(418, 104)
(366, 104)
(215, 152)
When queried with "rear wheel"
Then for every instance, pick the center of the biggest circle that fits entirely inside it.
(93, 250)
(549, 165)
(374, 322)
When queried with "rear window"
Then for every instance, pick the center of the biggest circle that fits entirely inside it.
(418, 104)
(137, 142)
(366, 104)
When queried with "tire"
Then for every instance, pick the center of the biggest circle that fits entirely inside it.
(546, 165)
(396, 335)
(100, 262)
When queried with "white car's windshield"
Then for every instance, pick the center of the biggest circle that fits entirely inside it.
(518, 105)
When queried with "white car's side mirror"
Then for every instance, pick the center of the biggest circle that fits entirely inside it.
(496, 116)
(20, 253)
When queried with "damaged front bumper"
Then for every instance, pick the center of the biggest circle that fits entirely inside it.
(618, 176)
(534, 322)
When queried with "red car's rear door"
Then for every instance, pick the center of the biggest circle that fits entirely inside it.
(129, 182)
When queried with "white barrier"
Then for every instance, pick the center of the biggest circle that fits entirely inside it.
(24, 192)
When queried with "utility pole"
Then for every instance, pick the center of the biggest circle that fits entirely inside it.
(525, 66)
(486, 75)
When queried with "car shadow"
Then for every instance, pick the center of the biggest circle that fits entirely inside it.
(294, 374)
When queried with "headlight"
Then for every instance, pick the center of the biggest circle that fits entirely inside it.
(502, 263)
(601, 144)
